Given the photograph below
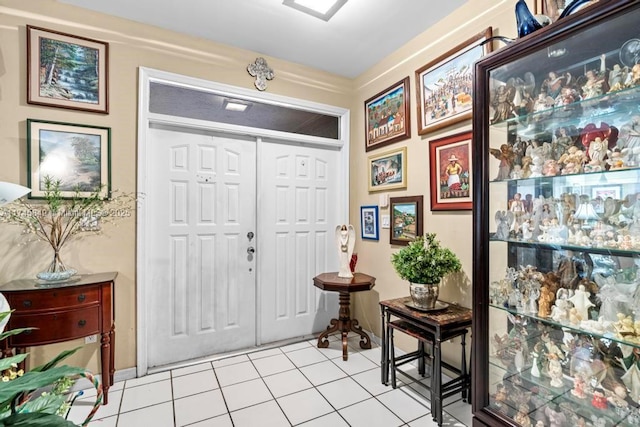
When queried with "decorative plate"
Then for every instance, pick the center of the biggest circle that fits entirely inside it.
(439, 306)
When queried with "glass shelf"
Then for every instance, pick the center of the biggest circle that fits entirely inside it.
(611, 251)
(609, 107)
(574, 329)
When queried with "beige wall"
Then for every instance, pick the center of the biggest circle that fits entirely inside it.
(131, 46)
(134, 45)
(453, 228)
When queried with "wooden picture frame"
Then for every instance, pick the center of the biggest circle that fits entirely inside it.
(451, 172)
(67, 71)
(77, 155)
(388, 171)
(406, 219)
(387, 116)
(369, 225)
(445, 85)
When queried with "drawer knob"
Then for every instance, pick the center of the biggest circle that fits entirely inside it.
(81, 323)
(27, 332)
(26, 303)
(81, 297)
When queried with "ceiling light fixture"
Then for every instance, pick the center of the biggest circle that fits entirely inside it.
(323, 9)
(233, 105)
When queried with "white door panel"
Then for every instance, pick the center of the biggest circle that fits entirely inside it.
(201, 197)
(298, 215)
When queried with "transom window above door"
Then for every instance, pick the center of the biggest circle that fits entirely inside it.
(211, 106)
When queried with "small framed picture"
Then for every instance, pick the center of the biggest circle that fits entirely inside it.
(451, 173)
(76, 155)
(67, 71)
(387, 117)
(445, 85)
(388, 171)
(369, 222)
(406, 219)
(606, 191)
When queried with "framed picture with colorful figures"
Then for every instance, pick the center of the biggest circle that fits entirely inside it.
(451, 172)
(445, 85)
(387, 116)
(388, 171)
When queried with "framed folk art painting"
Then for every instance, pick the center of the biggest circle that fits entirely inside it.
(387, 117)
(388, 171)
(369, 222)
(406, 219)
(451, 172)
(445, 85)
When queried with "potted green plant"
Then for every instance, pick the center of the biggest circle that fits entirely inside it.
(22, 399)
(424, 262)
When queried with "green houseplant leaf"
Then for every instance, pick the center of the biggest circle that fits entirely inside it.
(425, 261)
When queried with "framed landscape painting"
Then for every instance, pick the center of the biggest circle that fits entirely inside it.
(66, 71)
(451, 172)
(388, 171)
(445, 85)
(406, 219)
(77, 155)
(387, 116)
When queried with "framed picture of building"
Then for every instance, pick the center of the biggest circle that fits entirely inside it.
(388, 171)
(387, 116)
(406, 219)
(445, 85)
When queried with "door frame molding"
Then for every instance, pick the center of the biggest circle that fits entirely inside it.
(146, 119)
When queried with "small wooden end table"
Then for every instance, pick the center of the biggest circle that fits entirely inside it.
(344, 323)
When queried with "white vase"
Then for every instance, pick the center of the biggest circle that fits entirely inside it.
(424, 295)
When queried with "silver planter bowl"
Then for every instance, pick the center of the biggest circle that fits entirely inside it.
(424, 295)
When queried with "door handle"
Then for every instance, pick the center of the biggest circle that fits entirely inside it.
(251, 250)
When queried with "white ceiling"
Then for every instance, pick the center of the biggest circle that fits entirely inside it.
(358, 36)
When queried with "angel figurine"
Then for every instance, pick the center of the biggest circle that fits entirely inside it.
(504, 220)
(345, 241)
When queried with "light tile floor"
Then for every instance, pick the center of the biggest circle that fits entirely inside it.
(293, 385)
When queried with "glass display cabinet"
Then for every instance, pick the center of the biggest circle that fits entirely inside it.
(556, 130)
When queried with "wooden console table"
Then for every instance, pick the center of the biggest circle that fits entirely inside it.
(344, 323)
(63, 312)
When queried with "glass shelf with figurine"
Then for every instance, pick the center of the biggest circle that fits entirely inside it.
(559, 242)
(556, 274)
(536, 365)
(572, 110)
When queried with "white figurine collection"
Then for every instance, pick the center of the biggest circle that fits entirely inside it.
(573, 335)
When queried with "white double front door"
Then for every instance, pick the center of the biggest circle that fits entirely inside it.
(236, 230)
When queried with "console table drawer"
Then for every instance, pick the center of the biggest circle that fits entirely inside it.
(55, 326)
(53, 298)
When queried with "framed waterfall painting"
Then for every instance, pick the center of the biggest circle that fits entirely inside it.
(67, 71)
(76, 155)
